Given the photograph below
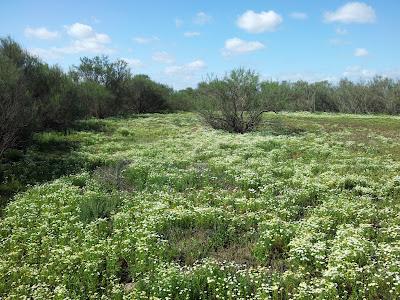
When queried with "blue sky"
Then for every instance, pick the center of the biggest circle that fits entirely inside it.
(180, 42)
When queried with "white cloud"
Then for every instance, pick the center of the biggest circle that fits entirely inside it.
(40, 33)
(394, 73)
(360, 73)
(352, 12)
(163, 57)
(357, 72)
(133, 62)
(80, 31)
(354, 73)
(78, 46)
(341, 31)
(202, 18)
(304, 76)
(87, 45)
(360, 52)
(238, 46)
(191, 34)
(299, 15)
(145, 40)
(85, 40)
(48, 54)
(178, 23)
(186, 70)
(259, 22)
(85, 34)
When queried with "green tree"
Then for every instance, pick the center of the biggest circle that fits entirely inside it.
(96, 99)
(233, 103)
(16, 112)
(110, 74)
(142, 95)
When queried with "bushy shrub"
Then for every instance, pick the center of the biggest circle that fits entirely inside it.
(232, 103)
(183, 100)
(142, 95)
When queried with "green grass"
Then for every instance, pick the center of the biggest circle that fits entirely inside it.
(307, 207)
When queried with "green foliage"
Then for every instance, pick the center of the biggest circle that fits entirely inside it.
(274, 240)
(142, 95)
(179, 211)
(183, 100)
(50, 156)
(16, 110)
(96, 99)
(37, 97)
(232, 103)
(103, 84)
(98, 205)
(378, 95)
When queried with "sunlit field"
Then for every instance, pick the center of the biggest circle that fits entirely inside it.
(162, 206)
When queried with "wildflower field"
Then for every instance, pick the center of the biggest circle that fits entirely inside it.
(164, 207)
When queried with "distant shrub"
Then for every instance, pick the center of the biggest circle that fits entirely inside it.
(232, 103)
(183, 100)
(142, 95)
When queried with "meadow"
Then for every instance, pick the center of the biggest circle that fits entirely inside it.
(161, 206)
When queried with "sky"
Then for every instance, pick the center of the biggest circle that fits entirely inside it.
(180, 43)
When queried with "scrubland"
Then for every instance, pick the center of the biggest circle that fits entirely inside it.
(162, 206)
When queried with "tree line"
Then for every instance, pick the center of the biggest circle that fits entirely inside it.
(236, 101)
(379, 95)
(35, 96)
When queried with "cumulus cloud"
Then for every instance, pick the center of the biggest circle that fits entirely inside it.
(133, 62)
(238, 46)
(145, 40)
(202, 18)
(191, 34)
(79, 31)
(188, 69)
(259, 22)
(359, 52)
(163, 57)
(352, 12)
(298, 15)
(40, 33)
(84, 40)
